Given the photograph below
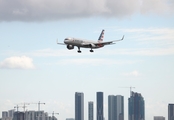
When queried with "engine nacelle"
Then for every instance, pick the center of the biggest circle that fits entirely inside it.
(70, 47)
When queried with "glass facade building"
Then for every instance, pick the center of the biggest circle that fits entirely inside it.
(90, 111)
(170, 111)
(115, 107)
(79, 106)
(99, 105)
(136, 109)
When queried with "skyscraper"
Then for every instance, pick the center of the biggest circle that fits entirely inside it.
(90, 111)
(136, 107)
(99, 105)
(171, 112)
(79, 106)
(115, 107)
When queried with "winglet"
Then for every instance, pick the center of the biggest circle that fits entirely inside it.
(122, 37)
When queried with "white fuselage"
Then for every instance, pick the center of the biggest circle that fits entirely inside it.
(81, 43)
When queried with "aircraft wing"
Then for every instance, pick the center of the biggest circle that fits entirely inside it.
(109, 42)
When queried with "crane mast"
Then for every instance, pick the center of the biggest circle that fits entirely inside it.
(53, 113)
(39, 103)
(129, 88)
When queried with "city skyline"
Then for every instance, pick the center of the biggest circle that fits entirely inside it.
(135, 99)
(34, 68)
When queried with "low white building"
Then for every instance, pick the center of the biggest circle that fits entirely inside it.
(159, 118)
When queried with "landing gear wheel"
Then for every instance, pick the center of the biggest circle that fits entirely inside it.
(91, 50)
(79, 51)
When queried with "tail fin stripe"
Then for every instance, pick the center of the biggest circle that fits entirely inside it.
(100, 39)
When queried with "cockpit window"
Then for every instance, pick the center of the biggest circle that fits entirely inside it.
(68, 38)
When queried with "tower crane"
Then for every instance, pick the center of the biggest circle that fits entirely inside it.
(38, 105)
(53, 113)
(24, 105)
(129, 88)
(17, 107)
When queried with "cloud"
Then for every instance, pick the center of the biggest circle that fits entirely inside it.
(134, 73)
(144, 51)
(15, 62)
(94, 61)
(153, 41)
(45, 10)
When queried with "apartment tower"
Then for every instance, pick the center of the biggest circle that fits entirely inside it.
(115, 107)
(79, 106)
(99, 105)
(136, 107)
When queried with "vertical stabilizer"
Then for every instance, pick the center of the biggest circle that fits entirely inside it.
(100, 39)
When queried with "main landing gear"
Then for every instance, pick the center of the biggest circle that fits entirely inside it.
(91, 50)
(79, 51)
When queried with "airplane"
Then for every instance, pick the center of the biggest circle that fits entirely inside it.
(71, 42)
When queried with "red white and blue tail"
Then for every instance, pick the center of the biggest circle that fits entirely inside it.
(100, 39)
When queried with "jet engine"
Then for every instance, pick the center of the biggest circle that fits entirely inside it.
(70, 47)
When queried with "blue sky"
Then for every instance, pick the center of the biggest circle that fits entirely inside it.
(34, 68)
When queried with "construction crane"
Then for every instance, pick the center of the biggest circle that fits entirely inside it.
(53, 113)
(38, 105)
(24, 105)
(17, 107)
(129, 88)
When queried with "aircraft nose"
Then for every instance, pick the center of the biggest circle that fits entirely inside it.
(67, 40)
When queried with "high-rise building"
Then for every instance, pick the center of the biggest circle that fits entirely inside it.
(79, 106)
(100, 106)
(18, 116)
(4, 114)
(90, 111)
(136, 107)
(31, 115)
(159, 118)
(170, 111)
(10, 113)
(115, 107)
